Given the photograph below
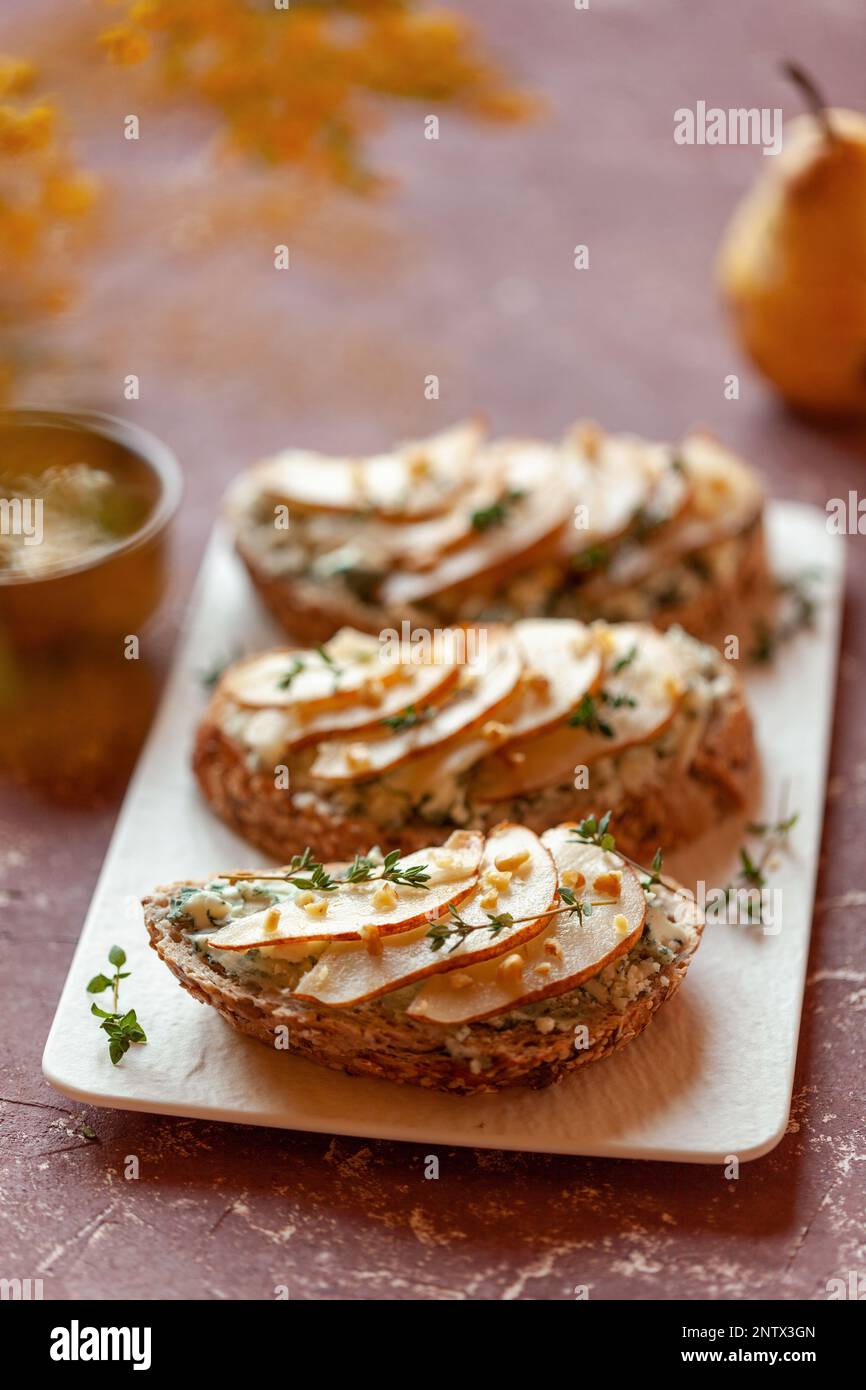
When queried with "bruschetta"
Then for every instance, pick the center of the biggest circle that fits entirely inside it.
(479, 963)
(456, 529)
(382, 741)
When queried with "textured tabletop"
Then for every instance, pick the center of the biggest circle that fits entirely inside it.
(463, 269)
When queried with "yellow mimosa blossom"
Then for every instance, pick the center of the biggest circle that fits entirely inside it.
(15, 75)
(41, 193)
(301, 83)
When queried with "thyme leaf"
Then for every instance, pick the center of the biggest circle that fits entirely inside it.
(122, 1030)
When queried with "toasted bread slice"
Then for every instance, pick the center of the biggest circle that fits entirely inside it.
(691, 762)
(527, 1041)
(597, 526)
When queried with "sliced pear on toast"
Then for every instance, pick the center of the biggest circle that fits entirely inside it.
(352, 911)
(524, 524)
(562, 664)
(641, 689)
(569, 950)
(725, 494)
(351, 973)
(373, 708)
(612, 484)
(419, 479)
(484, 685)
(719, 498)
(342, 671)
(421, 545)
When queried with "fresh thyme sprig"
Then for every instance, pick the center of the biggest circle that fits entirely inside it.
(618, 701)
(625, 660)
(122, 1029)
(416, 875)
(407, 718)
(586, 716)
(494, 515)
(592, 831)
(752, 871)
(305, 871)
(595, 557)
(457, 927)
(802, 606)
(295, 669)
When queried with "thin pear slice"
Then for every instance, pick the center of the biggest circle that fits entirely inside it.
(564, 954)
(562, 664)
(612, 484)
(350, 908)
(529, 524)
(422, 545)
(721, 498)
(423, 686)
(640, 666)
(420, 479)
(350, 973)
(484, 685)
(725, 494)
(348, 667)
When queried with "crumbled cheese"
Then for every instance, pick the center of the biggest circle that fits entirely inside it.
(490, 898)
(620, 923)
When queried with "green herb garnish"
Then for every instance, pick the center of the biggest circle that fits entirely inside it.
(752, 871)
(623, 661)
(122, 1029)
(497, 512)
(586, 716)
(285, 680)
(595, 557)
(407, 718)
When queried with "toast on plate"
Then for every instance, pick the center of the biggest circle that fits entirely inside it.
(487, 961)
(364, 741)
(456, 529)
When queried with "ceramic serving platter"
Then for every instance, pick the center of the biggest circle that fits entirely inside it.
(712, 1075)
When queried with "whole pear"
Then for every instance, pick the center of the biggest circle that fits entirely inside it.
(793, 262)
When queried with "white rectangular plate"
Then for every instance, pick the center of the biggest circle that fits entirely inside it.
(712, 1075)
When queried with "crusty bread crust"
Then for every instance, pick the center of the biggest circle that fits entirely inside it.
(368, 1040)
(669, 812)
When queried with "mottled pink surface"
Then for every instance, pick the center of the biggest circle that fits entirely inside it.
(465, 271)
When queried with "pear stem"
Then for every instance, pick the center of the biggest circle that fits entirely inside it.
(812, 94)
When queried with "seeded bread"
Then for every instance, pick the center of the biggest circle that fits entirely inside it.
(534, 1046)
(698, 769)
(690, 550)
